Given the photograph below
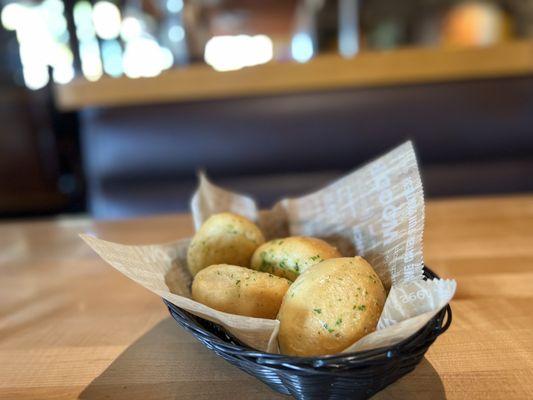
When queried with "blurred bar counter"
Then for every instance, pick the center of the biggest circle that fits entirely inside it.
(325, 72)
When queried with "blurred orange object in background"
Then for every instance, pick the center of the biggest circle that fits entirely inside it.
(475, 23)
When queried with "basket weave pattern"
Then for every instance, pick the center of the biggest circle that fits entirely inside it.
(348, 375)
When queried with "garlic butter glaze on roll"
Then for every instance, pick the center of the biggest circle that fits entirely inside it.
(329, 307)
(224, 238)
(289, 257)
(238, 290)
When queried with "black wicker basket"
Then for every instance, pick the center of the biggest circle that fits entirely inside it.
(349, 375)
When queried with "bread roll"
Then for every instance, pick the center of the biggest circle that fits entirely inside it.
(329, 307)
(224, 238)
(289, 257)
(238, 290)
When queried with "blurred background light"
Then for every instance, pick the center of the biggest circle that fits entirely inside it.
(167, 59)
(112, 58)
(174, 6)
(63, 74)
(144, 57)
(41, 32)
(348, 15)
(130, 29)
(12, 15)
(52, 13)
(176, 33)
(302, 47)
(62, 62)
(230, 53)
(91, 64)
(35, 76)
(106, 20)
(89, 49)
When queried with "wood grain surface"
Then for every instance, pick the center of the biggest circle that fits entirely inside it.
(72, 327)
(325, 72)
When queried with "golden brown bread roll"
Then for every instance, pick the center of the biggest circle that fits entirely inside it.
(289, 257)
(238, 290)
(224, 238)
(329, 307)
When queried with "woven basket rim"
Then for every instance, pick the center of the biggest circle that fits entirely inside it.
(435, 324)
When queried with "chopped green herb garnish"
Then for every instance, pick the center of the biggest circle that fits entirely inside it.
(339, 321)
(362, 307)
(326, 327)
(266, 265)
(238, 282)
(317, 310)
(232, 230)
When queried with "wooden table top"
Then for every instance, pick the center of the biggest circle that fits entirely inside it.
(73, 327)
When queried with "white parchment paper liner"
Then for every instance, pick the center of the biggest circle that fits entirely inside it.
(376, 211)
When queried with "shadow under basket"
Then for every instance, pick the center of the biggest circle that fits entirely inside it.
(356, 375)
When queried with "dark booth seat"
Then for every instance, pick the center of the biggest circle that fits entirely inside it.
(472, 138)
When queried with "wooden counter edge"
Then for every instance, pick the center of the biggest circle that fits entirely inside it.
(325, 72)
